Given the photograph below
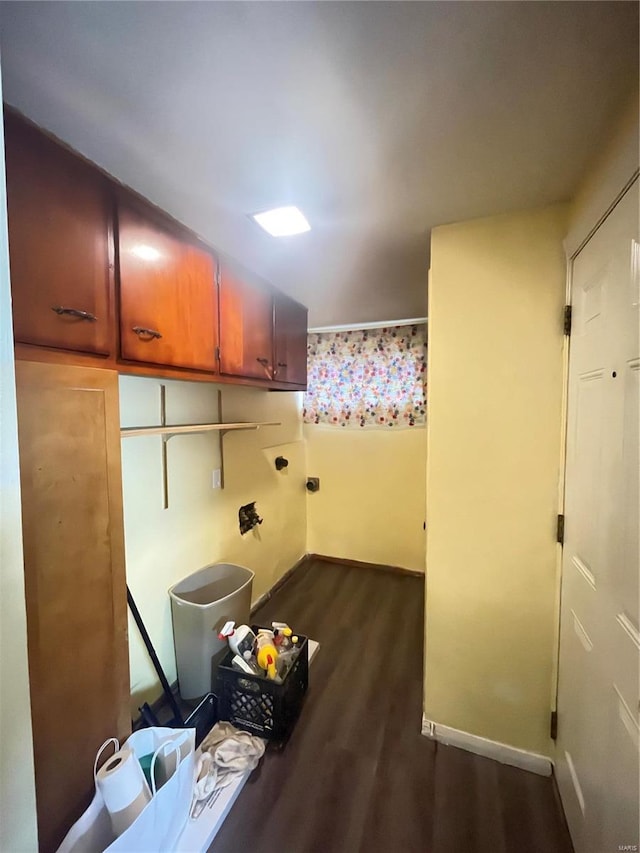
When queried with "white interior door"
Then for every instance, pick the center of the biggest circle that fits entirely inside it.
(598, 699)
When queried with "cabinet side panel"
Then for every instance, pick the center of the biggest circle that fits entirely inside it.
(68, 426)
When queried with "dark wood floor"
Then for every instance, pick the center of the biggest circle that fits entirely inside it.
(356, 775)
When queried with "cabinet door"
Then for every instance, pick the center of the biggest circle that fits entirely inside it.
(290, 339)
(246, 328)
(59, 225)
(168, 305)
(75, 587)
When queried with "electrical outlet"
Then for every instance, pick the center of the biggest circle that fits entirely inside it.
(216, 479)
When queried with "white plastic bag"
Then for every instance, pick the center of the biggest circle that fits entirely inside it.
(159, 825)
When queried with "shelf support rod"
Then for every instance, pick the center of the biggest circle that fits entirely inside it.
(220, 428)
(165, 439)
(221, 435)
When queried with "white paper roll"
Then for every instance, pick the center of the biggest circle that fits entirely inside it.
(124, 789)
(123, 820)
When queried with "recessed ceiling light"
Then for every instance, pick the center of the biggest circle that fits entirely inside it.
(282, 221)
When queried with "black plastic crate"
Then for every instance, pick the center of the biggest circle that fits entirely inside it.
(259, 705)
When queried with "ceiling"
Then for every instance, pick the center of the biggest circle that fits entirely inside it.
(379, 120)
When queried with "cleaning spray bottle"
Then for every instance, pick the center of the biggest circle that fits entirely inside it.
(240, 639)
(266, 653)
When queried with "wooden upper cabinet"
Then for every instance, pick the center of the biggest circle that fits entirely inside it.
(246, 327)
(168, 303)
(290, 340)
(59, 231)
(97, 271)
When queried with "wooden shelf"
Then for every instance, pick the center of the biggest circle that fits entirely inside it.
(168, 431)
(180, 429)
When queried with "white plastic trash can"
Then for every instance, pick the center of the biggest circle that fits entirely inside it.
(200, 605)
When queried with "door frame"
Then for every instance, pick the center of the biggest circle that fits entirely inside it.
(571, 256)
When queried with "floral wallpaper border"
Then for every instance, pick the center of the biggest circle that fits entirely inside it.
(367, 377)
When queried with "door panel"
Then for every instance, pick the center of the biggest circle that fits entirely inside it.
(290, 339)
(598, 697)
(75, 588)
(59, 225)
(576, 772)
(591, 412)
(623, 792)
(168, 311)
(246, 327)
(625, 569)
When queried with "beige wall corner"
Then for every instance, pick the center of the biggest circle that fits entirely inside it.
(495, 378)
(18, 830)
(371, 502)
(607, 176)
(201, 524)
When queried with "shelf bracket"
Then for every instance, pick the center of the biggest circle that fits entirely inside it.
(169, 431)
(165, 439)
(221, 435)
(167, 436)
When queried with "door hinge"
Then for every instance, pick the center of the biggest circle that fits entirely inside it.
(560, 530)
(567, 320)
(553, 726)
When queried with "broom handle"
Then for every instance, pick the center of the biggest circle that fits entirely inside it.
(154, 658)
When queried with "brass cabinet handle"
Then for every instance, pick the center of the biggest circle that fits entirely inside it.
(264, 361)
(150, 333)
(75, 312)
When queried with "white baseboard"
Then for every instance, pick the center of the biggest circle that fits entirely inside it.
(501, 752)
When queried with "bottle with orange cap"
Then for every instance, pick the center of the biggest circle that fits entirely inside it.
(266, 653)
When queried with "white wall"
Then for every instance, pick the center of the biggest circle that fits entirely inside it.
(201, 524)
(18, 830)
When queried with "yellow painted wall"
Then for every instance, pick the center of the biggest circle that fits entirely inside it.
(201, 524)
(495, 392)
(371, 503)
(608, 174)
